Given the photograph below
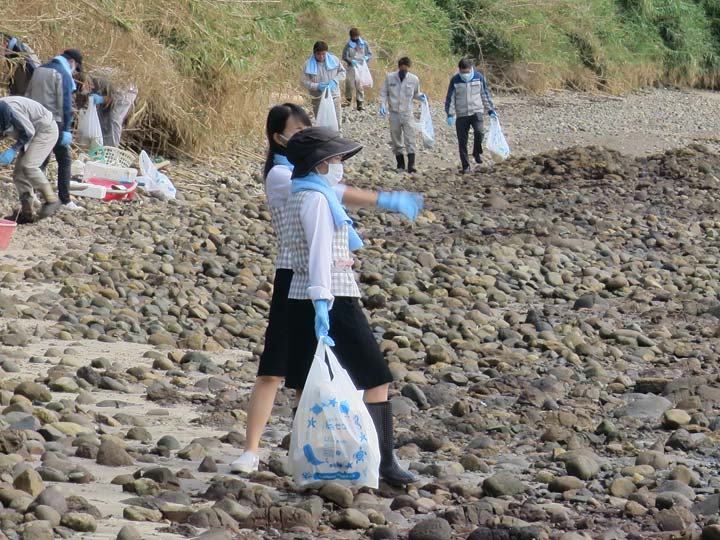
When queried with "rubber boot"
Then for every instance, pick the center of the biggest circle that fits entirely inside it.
(400, 162)
(360, 106)
(52, 204)
(26, 214)
(390, 469)
(411, 163)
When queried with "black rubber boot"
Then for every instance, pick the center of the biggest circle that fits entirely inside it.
(411, 163)
(390, 469)
(400, 162)
(360, 106)
(52, 204)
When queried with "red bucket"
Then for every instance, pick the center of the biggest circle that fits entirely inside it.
(6, 229)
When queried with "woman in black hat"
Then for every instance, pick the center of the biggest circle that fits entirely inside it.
(324, 296)
(282, 123)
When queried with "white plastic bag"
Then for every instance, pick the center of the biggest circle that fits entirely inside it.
(495, 141)
(426, 126)
(326, 116)
(362, 74)
(152, 180)
(89, 131)
(333, 435)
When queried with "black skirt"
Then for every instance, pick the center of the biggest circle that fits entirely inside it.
(355, 345)
(274, 359)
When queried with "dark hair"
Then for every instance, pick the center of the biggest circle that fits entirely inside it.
(404, 61)
(354, 32)
(465, 63)
(76, 56)
(276, 122)
(320, 46)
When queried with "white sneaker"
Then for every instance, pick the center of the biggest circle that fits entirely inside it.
(247, 463)
(73, 206)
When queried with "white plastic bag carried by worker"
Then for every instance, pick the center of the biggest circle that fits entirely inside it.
(326, 116)
(89, 131)
(426, 126)
(333, 436)
(495, 141)
(362, 72)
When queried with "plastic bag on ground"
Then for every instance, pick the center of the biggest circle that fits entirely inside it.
(89, 131)
(362, 73)
(333, 435)
(326, 116)
(426, 126)
(495, 142)
(152, 180)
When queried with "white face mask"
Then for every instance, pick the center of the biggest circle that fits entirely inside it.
(334, 174)
(467, 77)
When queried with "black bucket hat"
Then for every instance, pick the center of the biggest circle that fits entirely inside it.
(74, 54)
(311, 146)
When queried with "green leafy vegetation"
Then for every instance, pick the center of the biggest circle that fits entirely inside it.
(606, 44)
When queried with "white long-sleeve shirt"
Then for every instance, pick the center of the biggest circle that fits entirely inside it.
(319, 226)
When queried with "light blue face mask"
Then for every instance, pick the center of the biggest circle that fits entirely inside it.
(467, 77)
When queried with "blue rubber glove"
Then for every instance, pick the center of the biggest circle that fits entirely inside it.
(322, 86)
(492, 114)
(367, 57)
(354, 62)
(383, 110)
(322, 321)
(451, 120)
(405, 202)
(97, 99)
(423, 97)
(7, 157)
(66, 138)
(332, 85)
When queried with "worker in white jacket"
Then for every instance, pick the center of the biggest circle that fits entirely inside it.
(323, 71)
(36, 133)
(397, 94)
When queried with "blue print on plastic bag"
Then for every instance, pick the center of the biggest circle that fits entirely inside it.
(333, 435)
(331, 424)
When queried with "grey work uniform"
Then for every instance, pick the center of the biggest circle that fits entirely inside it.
(398, 97)
(325, 75)
(113, 114)
(357, 53)
(39, 132)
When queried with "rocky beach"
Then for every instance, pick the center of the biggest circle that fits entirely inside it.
(552, 324)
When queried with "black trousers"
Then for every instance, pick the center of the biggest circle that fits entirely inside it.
(462, 128)
(62, 156)
(355, 344)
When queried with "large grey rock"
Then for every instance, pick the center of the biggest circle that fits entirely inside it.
(644, 407)
(113, 455)
(503, 483)
(431, 529)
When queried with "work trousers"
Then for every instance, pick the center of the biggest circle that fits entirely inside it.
(352, 83)
(112, 118)
(462, 128)
(28, 175)
(402, 133)
(62, 156)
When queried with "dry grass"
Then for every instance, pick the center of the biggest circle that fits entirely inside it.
(207, 70)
